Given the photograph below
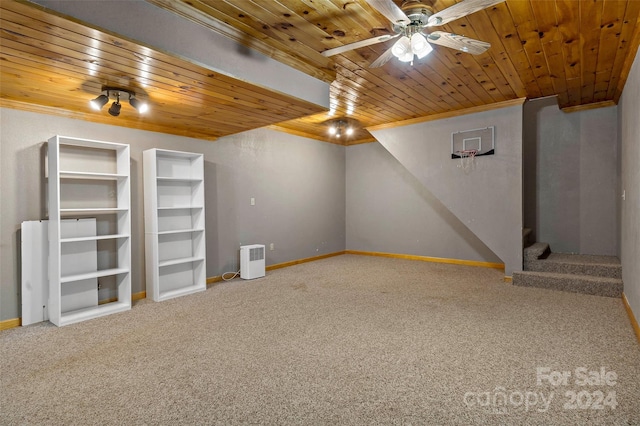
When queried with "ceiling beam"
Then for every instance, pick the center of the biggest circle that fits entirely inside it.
(168, 32)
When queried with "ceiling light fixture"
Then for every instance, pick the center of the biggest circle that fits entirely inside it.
(406, 47)
(115, 93)
(339, 128)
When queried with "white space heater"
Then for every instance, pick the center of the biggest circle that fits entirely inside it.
(252, 261)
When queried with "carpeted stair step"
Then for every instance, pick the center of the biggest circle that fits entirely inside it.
(597, 286)
(536, 251)
(597, 266)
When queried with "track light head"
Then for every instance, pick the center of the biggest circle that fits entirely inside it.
(140, 106)
(115, 109)
(99, 102)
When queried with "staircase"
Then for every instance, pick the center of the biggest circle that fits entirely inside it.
(595, 275)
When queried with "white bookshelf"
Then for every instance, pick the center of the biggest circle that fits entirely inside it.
(89, 229)
(174, 223)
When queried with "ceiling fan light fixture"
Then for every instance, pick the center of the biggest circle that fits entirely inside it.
(407, 57)
(418, 42)
(402, 47)
(332, 130)
(349, 131)
(420, 46)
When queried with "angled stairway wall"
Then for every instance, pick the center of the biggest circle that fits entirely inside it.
(389, 211)
(487, 199)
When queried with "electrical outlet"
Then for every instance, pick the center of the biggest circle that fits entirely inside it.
(272, 246)
(253, 201)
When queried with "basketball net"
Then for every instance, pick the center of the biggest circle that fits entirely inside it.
(467, 157)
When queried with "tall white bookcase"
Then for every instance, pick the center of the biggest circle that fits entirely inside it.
(174, 223)
(89, 229)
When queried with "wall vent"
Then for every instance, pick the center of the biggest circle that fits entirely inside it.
(252, 261)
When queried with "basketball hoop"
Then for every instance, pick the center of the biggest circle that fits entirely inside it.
(468, 144)
(467, 157)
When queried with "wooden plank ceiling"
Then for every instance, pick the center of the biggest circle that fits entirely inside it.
(579, 50)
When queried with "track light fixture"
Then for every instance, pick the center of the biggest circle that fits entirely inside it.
(115, 93)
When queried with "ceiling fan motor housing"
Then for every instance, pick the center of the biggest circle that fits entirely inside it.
(417, 11)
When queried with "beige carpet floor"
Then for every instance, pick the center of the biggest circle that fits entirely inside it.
(349, 340)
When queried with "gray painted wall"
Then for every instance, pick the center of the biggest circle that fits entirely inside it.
(488, 199)
(630, 172)
(390, 211)
(298, 185)
(570, 178)
(301, 195)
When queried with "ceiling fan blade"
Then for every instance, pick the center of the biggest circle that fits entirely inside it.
(358, 44)
(382, 59)
(458, 10)
(458, 42)
(390, 10)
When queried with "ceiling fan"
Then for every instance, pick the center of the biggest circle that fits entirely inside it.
(410, 22)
